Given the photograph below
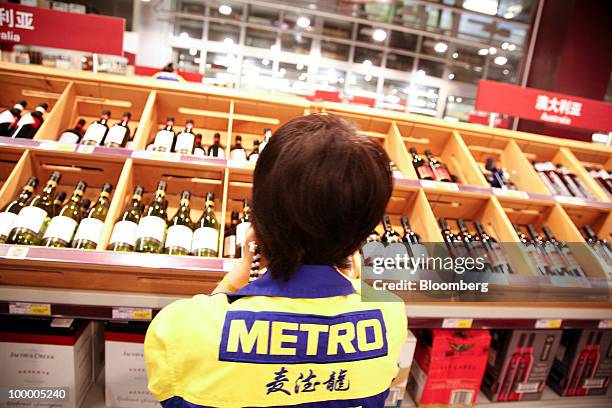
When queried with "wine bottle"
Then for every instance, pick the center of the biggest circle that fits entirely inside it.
(602, 178)
(58, 203)
(229, 242)
(524, 369)
(389, 236)
(97, 131)
(90, 228)
(151, 230)
(123, 237)
(453, 242)
(237, 152)
(74, 135)
(11, 210)
(560, 265)
(33, 218)
(185, 141)
(215, 150)
(473, 248)
(266, 139)
(61, 229)
(574, 183)
(180, 228)
(28, 124)
(424, 172)
(395, 171)
(507, 379)
(165, 137)
(493, 250)
(578, 370)
(255, 153)
(242, 227)
(119, 134)
(439, 169)
(198, 150)
(591, 365)
(413, 240)
(10, 117)
(85, 207)
(373, 237)
(532, 252)
(544, 258)
(568, 258)
(600, 247)
(497, 176)
(206, 236)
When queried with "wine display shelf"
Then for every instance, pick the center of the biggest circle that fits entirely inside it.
(73, 95)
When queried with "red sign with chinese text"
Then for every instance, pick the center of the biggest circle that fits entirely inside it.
(57, 29)
(544, 106)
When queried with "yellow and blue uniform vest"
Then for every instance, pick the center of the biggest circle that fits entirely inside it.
(306, 342)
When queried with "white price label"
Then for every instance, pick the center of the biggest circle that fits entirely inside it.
(22, 308)
(548, 323)
(570, 200)
(52, 145)
(439, 185)
(605, 324)
(457, 323)
(85, 149)
(165, 156)
(132, 313)
(510, 193)
(17, 252)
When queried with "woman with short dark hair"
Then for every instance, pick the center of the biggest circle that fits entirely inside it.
(300, 335)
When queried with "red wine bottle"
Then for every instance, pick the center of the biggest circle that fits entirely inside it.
(165, 137)
(29, 124)
(507, 379)
(10, 117)
(424, 172)
(590, 366)
(215, 150)
(576, 373)
(74, 135)
(94, 136)
(119, 134)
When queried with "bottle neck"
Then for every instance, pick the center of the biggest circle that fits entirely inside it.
(169, 126)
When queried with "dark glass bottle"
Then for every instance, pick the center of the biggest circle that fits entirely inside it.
(237, 152)
(119, 134)
(28, 124)
(424, 172)
(94, 136)
(215, 150)
(242, 227)
(74, 135)
(185, 141)
(389, 236)
(11, 210)
(255, 153)
(89, 232)
(439, 169)
(151, 231)
(165, 137)
(570, 264)
(58, 202)
(229, 242)
(61, 228)
(538, 253)
(10, 117)
(180, 228)
(206, 235)
(601, 247)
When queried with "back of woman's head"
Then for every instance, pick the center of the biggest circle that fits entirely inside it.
(319, 189)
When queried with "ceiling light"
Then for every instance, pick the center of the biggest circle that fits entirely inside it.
(208, 66)
(483, 51)
(505, 46)
(225, 9)
(282, 71)
(482, 6)
(455, 55)
(193, 51)
(303, 22)
(299, 66)
(368, 78)
(312, 6)
(197, 60)
(228, 41)
(275, 48)
(379, 35)
(459, 100)
(492, 50)
(451, 98)
(506, 71)
(500, 60)
(421, 72)
(451, 76)
(440, 47)
(511, 47)
(265, 61)
(367, 63)
(183, 35)
(393, 99)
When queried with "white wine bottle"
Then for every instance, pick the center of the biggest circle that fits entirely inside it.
(164, 138)
(33, 218)
(9, 213)
(61, 229)
(151, 231)
(90, 228)
(206, 236)
(97, 131)
(123, 237)
(119, 134)
(185, 141)
(242, 227)
(180, 228)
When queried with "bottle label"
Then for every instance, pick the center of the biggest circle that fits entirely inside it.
(205, 238)
(116, 134)
(253, 158)
(220, 152)
(7, 219)
(68, 138)
(241, 230)
(425, 172)
(31, 218)
(95, 132)
(442, 174)
(61, 227)
(229, 246)
(238, 155)
(164, 138)
(179, 236)
(90, 229)
(151, 227)
(198, 151)
(26, 119)
(124, 232)
(184, 143)
(262, 145)
(7, 117)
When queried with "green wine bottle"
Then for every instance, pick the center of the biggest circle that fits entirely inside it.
(242, 228)
(58, 203)
(61, 229)
(151, 229)
(32, 220)
(10, 212)
(123, 237)
(90, 228)
(180, 229)
(206, 236)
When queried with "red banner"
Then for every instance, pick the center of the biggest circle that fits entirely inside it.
(544, 106)
(57, 29)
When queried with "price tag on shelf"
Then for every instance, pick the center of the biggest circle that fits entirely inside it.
(53, 145)
(605, 324)
(85, 149)
(132, 313)
(510, 193)
(457, 323)
(17, 252)
(439, 185)
(37, 309)
(570, 200)
(165, 156)
(548, 323)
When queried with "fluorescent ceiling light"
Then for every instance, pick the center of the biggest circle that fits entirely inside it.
(225, 9)
(303, 22)
(500, 60)
(379, 35)
(441, 47)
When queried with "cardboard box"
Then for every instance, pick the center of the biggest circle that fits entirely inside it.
(583, 363)
(397, 391)
(126, 375)
(36, 352)
(519, 363)
(448, 367)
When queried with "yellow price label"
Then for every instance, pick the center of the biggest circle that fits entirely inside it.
(605, 324)
(52, 145)
(457, 323)
(142, 314)
(132, 313)
(22, 308)
(40, 310)
(510, 193)
(548, 323)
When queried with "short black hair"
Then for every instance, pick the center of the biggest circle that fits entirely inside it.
(319, 190)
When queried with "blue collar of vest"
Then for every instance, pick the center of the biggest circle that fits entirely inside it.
(308, 282)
